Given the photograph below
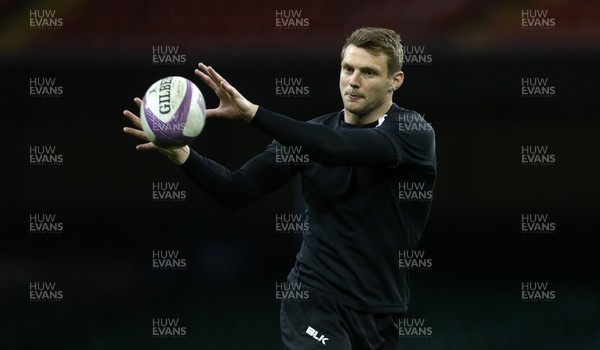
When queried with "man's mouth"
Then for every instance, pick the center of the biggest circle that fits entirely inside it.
(354, 97)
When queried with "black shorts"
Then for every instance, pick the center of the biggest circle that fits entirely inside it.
(323, 323)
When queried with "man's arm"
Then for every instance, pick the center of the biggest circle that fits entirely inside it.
(235, 189)
(383, 146)
(326, 145)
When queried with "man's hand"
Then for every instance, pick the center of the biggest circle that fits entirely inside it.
(177, 155)
(231, 103)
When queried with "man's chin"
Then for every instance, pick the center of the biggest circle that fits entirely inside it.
(354, 109)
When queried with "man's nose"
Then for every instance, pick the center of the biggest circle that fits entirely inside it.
(355, 79)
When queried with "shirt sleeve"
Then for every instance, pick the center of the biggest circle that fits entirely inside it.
(412, 137)
(385, 145)
(235, 189)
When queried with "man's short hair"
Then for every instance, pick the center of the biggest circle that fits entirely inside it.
(379, 41)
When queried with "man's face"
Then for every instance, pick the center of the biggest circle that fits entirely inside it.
(364, 82)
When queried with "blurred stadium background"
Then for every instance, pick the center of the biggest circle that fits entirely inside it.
(470, 92)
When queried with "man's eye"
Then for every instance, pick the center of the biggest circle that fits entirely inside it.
(369, 73)
(347, 69)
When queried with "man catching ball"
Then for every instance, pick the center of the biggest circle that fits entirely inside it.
(359, 157)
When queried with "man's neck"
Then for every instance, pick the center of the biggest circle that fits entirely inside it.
(352, 118)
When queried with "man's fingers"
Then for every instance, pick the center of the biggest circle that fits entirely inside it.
(147, 147)
(216, 76)
(232, 103)
(202, 66)
(231, 91)
(210, 113)
(135, 120)
(206, 79)
(137, 133)
(203, 69)
(212, 73)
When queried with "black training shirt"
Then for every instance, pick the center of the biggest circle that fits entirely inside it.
(367, 190)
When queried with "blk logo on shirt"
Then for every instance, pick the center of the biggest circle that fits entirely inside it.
(315, 334)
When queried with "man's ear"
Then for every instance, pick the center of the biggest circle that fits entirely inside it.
(397, 80)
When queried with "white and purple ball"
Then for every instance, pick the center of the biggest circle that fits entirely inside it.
(173, 112)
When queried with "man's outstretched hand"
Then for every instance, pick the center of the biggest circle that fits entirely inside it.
(231, 103)
(177, 155)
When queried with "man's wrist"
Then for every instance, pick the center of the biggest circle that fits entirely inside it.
(250, 116)
(180, 155)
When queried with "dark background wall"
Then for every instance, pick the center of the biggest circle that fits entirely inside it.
(102, 191)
